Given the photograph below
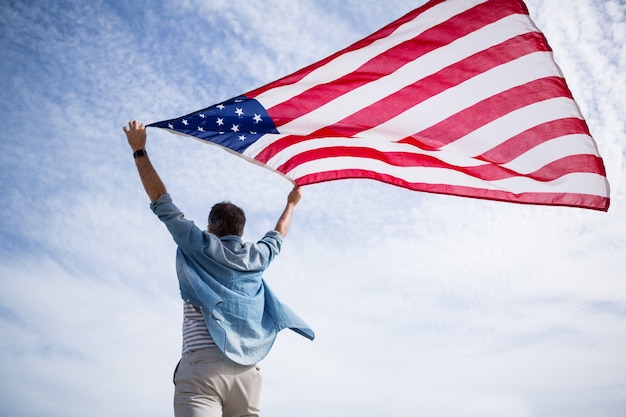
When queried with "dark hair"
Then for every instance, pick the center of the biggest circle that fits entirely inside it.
(226, 219)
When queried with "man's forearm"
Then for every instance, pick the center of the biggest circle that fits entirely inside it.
(282, 226)
(137, 137)
(149, 178)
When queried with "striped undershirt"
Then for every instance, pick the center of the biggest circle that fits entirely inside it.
(195, 333)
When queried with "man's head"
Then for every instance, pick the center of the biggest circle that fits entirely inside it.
(226, 219)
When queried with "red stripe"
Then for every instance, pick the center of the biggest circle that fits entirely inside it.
(363, 43)
(574, 163)
(487, 172)
(488, 110)
(396, 57)
(521, 143)
(556, 199)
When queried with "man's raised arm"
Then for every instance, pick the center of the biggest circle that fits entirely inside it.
(282, 226)
(137, 137)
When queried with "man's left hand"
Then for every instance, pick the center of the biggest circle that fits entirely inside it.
(136, 135)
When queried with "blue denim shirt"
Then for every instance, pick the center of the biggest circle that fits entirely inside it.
(224, 278)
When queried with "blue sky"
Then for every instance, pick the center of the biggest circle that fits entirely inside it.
(422, 304)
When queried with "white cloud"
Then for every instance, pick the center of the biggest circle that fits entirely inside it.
(68, 335)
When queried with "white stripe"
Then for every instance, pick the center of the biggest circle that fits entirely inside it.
(355, 100)
(551, 151)
(315, 144)
(438, 108)
(350, 61)
(263, 142)
(492, 134)
(577, 183)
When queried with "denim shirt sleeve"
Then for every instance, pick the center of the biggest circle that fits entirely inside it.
(273, 241)
(185, 233)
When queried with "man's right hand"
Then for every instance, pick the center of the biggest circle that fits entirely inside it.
(294, 196)
(282, 226)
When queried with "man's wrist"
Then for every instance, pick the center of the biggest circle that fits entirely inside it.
(139, 153)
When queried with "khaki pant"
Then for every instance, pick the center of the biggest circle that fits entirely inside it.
(210, 385)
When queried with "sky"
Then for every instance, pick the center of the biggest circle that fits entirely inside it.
(422, 304)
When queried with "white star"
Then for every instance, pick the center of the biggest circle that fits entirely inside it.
(235, 128)
(202, 115)
(200, 129)
(171, 126)
(238, 101)
(219, 121)
(257, 118)
(253, 133)
(242, 137)
(185, 122)
(220, 106)
(239, 111)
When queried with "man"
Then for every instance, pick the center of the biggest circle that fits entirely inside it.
(230, 317)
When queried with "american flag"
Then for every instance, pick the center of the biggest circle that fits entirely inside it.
(458, 97)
